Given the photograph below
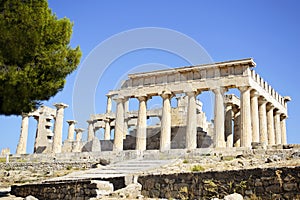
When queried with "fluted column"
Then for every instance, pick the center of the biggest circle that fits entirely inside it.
(91, 133)
(126, 110)
(219, 138)
(79, 132)
(107, 129)
(263, 130)
(277, 127)
(165, 137)
(283, 129)
(108, 104)
(228, 125)
(119, 126)
(270, 122)
(58, 127)
(191, 129)
(141, 134)
(236, 128)
(254, 116)
(21, 148)
(246, 133)
(71, 129)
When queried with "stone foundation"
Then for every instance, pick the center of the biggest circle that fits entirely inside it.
(268, 183)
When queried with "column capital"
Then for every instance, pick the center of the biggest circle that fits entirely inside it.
(26, 114)
(119, 99)
(219, 90)
(143, 97)
(270, 106)
(166, 94)
(60, 105)
(283, 116)
(90, 121)
(287, 98)
(254, 93)
(244, 88)
(277, 112)
(109, 95)
(79, 130)
(191, 93)
(262, 100)
(106, 119)
(71, 122)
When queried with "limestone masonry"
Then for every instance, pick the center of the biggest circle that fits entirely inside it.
(257, 117)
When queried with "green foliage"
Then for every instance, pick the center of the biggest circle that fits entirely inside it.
(197, 168)
(35, 55)
(185, 161)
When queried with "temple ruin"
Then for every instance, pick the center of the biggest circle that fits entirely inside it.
(258, 115)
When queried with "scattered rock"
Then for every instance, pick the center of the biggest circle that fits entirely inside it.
(234, 196)
(30, 198)
(275, 158)
(132, 191)
(296, 154)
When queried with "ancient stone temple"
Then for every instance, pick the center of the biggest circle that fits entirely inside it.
(256, 115)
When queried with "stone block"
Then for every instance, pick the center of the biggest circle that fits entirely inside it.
(274, 189)
(103, 187)
(290, 187)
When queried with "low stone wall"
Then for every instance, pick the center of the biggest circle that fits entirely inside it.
(75, 190)
(51, 166)
(268, 183)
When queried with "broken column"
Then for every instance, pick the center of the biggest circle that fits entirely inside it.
(21, 148)
(71, 129)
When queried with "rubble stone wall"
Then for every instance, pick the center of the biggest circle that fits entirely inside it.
(267, 183)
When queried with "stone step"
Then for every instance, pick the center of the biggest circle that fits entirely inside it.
(120, 169)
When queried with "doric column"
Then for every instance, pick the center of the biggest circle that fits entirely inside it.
(219, 139)
(107, 129)
(191, 129)
(126, 110)
(254, 116)
(246, 134)
(71, 129)
(228, 125)
(109, 104)
(119, 125)
(283, 129)
(236, 128)
(91, 133)
(263, 130)
(270, 122)
(79, 132)
(165, 137)
(141, 134)
(277, 127)
(58, 127)
(21, 148)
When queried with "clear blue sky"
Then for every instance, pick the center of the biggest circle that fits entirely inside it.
(268, 31)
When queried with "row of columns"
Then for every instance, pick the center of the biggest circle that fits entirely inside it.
(165, 138)
(255, 121)
(259, 121)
